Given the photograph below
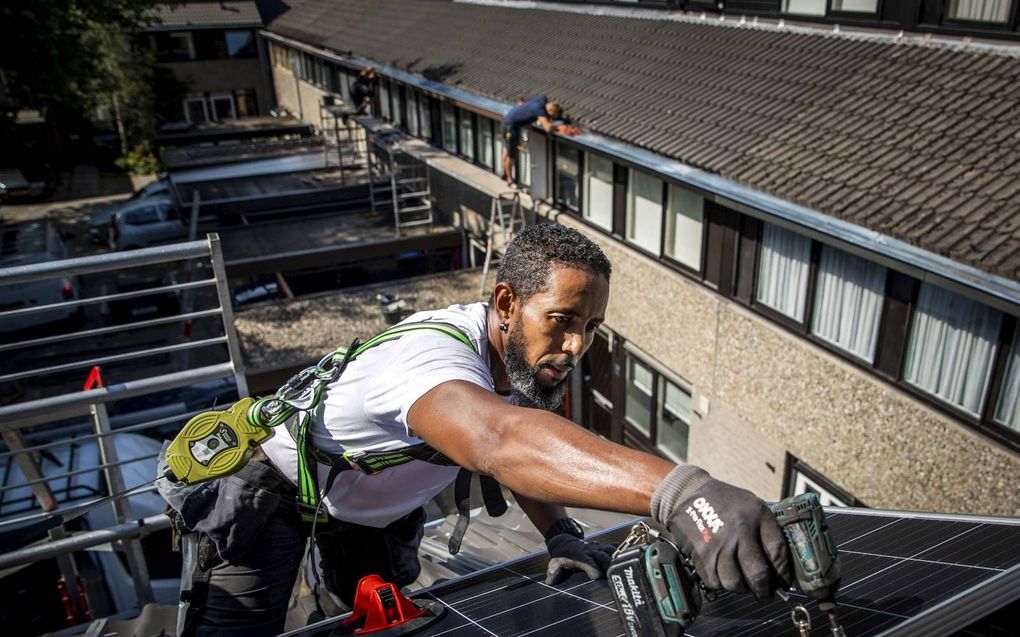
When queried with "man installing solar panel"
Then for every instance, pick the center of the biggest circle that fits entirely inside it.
(375, 431)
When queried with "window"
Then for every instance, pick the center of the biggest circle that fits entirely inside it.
(804, 7)
(244, 99)
(523, 160)
(1008, 411)
(979, 10)
(413, 125)
(195, 110)
(804, 484)
(344, 81)
(855, 6)
(467, 133)
(638, 406)
(240, 44)
(485, 142)
(644, 211)
(174, 47)
(449, 128)
(674, 419)
(397, 110)
(952, 347)
(384, 99)
(598, 191)
(223, 106)
(425, 116)
(684, 221)
(783, 271)
(848, 302)
(568, 166)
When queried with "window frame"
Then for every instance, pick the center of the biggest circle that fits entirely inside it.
(557, 195)
(698, 274)
(632, 435)
(662, 213)
(584, 195)
(1006, 24)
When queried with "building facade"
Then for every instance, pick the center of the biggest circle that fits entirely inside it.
(814, 234)
(214, 48)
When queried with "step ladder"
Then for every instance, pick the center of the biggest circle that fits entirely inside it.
(345, 138)
(506, 218)
(400, 183)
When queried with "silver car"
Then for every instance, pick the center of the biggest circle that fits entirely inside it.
(144, 223)
(24, 244)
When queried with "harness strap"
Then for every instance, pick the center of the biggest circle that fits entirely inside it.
(309, 387)
(462, 495)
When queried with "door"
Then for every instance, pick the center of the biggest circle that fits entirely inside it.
(598, 383)
(194, 109)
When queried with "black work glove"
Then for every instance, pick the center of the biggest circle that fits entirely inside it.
(731, 535)
(569, 554)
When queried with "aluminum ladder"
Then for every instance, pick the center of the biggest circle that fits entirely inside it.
(506, 218)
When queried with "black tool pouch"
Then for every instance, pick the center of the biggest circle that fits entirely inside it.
(349, 552)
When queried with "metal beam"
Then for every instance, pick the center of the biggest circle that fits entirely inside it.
(342, 253)
(103, 262)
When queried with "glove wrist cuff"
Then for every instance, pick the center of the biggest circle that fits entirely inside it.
(678, 486)
(564, 525)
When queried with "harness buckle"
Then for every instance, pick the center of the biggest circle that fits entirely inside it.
(356, 458)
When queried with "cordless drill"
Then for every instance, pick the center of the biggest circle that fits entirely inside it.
(815, 561)
(658, 593)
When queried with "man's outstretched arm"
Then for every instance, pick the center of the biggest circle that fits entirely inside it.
(733, 538)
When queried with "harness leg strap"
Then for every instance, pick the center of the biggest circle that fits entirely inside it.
(492, 496)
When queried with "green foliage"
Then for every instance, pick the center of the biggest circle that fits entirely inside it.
(139, 161)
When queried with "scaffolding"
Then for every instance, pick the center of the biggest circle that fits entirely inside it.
(345, 146)
(398, 182)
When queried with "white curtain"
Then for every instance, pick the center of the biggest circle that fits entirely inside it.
(848, 302)
(598, 194)
(644, 211)
(783, 271)
(979, 10)
(683, 226)
(952, 345)
(1008, 412)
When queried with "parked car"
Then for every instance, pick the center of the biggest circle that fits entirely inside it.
(146, 222)
(141, 308)
(99, 223)
(24, 244)
(14, 185)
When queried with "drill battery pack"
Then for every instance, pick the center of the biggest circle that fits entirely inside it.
(656, 593)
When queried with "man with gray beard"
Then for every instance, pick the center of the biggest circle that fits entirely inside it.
(477, 388)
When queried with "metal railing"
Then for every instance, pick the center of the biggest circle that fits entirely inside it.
(29, 363)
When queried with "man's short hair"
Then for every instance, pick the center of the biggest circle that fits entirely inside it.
(526, 263)
(557, 110)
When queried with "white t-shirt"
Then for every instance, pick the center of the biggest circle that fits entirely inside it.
(366, 409)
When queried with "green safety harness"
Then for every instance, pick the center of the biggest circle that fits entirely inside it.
(294, 402)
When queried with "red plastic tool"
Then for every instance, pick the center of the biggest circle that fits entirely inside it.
(378, 605)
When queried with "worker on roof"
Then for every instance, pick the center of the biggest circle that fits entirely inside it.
(548, 115)
(363, 90)
(484, 400)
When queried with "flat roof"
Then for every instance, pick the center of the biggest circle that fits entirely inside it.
(283, 334)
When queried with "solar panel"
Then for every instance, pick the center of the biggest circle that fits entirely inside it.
(903, 574)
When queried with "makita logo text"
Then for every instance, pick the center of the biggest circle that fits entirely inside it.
(627, 613)
(705, 518)
(635, 591)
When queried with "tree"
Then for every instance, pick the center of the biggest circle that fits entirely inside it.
(123, 82)
(53, 53)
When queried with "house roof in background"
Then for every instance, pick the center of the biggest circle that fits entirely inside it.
(207, 14)
(918, 141)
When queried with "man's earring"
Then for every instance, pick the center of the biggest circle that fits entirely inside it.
(503, 327)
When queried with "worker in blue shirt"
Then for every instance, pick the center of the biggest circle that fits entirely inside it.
(534, 109)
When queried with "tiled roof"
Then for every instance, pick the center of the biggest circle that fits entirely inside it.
(917, 141)
(207, 14)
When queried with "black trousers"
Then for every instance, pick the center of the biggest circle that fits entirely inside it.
(247, 591)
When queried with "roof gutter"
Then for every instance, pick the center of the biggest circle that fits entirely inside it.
(996, 291)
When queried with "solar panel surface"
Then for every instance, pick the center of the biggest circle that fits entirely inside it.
(903, 574)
